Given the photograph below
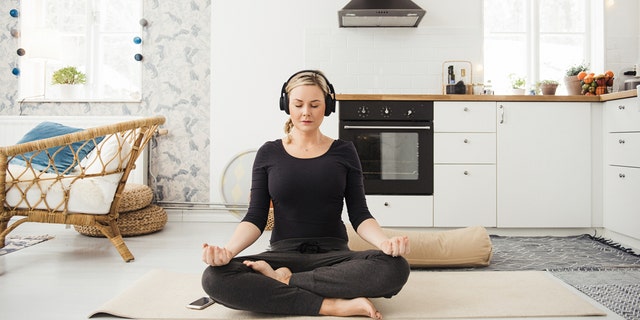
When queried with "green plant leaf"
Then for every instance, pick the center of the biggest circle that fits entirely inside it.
(68, 75)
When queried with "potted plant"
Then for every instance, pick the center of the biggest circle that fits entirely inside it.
(68, 75)
(548, 87)
(517, 84)
(571, 80)
(70, 80)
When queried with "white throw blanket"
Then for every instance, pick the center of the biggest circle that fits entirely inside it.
(89, 195)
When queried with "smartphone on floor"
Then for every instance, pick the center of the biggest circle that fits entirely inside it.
(201, 303)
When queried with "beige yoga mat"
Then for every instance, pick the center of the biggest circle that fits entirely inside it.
(428, 295)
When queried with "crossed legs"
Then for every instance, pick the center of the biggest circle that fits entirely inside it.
(336, 283)
(330, 306)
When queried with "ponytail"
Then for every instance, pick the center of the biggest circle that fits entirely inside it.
(287, 130)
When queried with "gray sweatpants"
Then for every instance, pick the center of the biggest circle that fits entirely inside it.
(322, 268)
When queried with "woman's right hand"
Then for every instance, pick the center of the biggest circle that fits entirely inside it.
(215, 256)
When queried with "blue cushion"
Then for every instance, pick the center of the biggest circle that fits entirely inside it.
(63, 160)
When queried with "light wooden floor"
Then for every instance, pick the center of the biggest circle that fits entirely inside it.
(71, 275)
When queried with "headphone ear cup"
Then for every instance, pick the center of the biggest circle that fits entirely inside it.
(329, 99)
(284, 103)
(284, 98)
(330, 105)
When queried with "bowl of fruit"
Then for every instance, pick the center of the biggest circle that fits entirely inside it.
(596, 84)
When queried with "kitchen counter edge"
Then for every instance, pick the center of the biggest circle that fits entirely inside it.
(496, 98)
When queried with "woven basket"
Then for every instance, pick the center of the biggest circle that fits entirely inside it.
(135, 197)
(134, 223)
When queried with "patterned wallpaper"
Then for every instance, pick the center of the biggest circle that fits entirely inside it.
(175, 83)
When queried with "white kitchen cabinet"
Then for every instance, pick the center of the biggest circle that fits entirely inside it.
(464, 116)
(464, 164)
(401, 211)
(622, 167)
(465, 195)
(623, 148)
(622, 115)
(622, 204)
(543, 164)
(465, 147)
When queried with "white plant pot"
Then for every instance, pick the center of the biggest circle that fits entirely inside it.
(71, 91)
(517, 92)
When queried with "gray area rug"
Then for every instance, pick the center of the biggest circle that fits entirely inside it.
(604, 271)
(618, 290)
(575, 253)
(17, 242)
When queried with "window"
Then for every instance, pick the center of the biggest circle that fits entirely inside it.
(535, 39)
(95, 36)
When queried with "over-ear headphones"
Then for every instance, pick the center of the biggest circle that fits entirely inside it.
(330, 101)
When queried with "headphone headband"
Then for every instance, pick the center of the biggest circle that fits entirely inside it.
(330, 102)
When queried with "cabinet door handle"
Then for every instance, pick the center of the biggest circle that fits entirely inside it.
(466, 109)
(621, 107)
(621, 175)
(386, 204)
(621, 141)
(466, 173)
(501, 114)
(466, 141)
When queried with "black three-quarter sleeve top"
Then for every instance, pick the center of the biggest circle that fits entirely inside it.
(307, 194)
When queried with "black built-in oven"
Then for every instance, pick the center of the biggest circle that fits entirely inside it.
(394, 140)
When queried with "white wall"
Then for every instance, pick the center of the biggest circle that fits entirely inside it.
(257, 45)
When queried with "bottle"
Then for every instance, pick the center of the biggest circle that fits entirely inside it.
(451, 77)
(488, 88)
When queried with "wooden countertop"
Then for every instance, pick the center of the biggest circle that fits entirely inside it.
(497, 98)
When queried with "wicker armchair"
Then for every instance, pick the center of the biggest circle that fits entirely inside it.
(54, 195)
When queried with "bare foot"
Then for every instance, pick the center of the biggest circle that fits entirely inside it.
(349, 307)
(281, 274)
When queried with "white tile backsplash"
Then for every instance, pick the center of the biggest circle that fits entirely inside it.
(390, 60)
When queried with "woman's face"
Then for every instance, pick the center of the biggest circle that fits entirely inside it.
(306, 107)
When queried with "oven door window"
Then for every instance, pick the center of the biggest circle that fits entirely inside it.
(396, 157)
(388, 155)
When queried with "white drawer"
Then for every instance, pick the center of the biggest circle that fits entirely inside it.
(463, 116)
(464, 195)
(401, 211)
(622, 204)
(464, 147)
(623, 149)
(622, 115)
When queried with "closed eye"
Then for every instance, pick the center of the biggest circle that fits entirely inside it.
(312, 106)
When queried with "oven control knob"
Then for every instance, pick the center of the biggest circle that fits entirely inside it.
(363, 111)
(385, 112)
(410, 113)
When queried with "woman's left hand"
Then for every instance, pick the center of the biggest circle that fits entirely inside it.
(396, 246)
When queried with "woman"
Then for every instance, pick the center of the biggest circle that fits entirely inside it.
(309, 269)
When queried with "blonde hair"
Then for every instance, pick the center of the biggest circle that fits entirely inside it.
(305, 78)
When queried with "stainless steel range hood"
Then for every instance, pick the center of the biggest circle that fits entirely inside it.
(380, 13)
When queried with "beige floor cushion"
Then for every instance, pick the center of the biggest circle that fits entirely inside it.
(464, 247)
